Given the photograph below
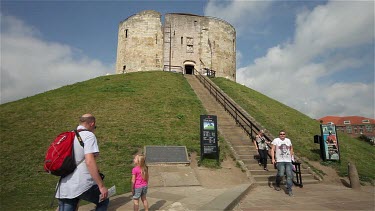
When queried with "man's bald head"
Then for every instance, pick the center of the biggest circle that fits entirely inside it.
(87, 118)
(88, 121)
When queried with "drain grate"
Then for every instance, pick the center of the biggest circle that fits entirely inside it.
(166, 155)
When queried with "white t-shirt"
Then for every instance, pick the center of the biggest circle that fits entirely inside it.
(80, 180)
(282, 149)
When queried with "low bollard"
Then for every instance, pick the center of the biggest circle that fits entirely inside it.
(353, 177)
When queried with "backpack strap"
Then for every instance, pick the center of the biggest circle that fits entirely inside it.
(79, 137)
(80, 142)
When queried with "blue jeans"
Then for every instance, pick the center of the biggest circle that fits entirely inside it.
(263, 154)
(283, 167)
(91, 195)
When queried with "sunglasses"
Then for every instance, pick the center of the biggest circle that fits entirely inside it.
(282, 134)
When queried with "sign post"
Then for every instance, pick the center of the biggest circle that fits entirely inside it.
(209, 142)
(330, 142)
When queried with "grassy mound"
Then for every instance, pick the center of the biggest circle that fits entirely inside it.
(132, 110)
(275, 116)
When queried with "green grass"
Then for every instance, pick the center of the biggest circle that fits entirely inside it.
(132, 110)
(275, 116)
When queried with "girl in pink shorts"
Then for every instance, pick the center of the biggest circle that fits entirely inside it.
(140, 182)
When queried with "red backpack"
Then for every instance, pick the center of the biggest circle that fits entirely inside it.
(59, 158)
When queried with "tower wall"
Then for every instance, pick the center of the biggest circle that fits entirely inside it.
(184, 40)
(140, 41)
(223, 43)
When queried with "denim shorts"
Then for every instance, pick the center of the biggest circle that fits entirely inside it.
(138, 192)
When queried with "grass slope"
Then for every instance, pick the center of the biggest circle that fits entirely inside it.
(132, 110)
(301, 129)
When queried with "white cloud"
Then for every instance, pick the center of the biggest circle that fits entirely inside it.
(234, 12)
(300, 72)
(30, 65)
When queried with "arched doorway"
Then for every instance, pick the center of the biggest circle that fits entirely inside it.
(189, 67)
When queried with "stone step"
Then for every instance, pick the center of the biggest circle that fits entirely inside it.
(250, 160)
(243, 148)
(233, 133)
(260, 171)
(240, 143)
(251, 165)
(273, 177)
(273, 183)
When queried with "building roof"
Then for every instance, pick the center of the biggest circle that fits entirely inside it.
(349, 120)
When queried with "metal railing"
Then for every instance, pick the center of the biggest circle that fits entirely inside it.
(241, 119)
(209, 72)
(178, 69)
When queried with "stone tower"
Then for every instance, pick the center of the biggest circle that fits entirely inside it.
(186, 43)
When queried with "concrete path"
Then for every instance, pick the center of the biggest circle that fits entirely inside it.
(244, 197)
(177, 188)
(310, 197)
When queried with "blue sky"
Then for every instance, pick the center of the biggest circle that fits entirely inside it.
(315, 56)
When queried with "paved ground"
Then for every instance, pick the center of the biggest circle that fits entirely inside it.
(179, 189)
(310, 197)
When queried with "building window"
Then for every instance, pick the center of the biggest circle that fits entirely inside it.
(365, 121)
(189, 44)
(189, 49)
(368, 128)
(348, 129)
(182, 40)
(355, 131)
(126, 33)
(189, 41)
(346, 122)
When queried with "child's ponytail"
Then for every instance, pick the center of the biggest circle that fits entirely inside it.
(144, 168)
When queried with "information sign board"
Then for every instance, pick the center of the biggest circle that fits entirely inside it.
(208, 128)
(330, 142)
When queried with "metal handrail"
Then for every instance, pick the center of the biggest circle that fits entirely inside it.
(173, 67)
(241, 119)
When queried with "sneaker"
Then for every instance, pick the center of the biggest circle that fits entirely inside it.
(277, 188)
(290, 193)
(266, 169)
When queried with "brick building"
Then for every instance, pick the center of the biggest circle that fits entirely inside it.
(352, 125)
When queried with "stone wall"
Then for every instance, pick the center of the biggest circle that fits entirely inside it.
(184, 41)
(140, 41)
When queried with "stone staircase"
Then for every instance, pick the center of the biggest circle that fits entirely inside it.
(241, 145)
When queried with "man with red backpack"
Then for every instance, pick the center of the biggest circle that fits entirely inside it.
(85, 182)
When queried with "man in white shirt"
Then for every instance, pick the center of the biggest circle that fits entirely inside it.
(85, 182)
(284, 153)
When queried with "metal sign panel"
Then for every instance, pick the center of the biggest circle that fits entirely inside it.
(209, 144)
(330, 142)
(166, 154)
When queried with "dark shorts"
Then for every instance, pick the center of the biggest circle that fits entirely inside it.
(138, 192)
